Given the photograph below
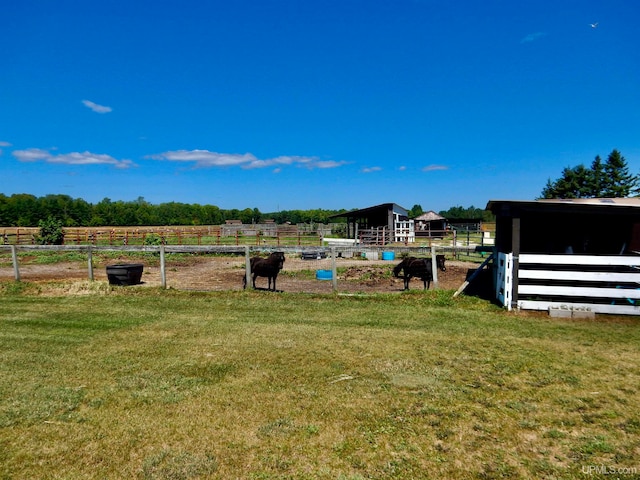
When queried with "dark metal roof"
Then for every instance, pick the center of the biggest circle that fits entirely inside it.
(619, 205)
(366, 211)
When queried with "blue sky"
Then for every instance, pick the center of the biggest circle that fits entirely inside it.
(292, 104)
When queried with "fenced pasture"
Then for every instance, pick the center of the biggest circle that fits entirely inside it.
(125, 383)
(222, 268)
(239, 234)
(178, 235)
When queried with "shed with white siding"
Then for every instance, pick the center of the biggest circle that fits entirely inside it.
(379, 225)
(578, 255)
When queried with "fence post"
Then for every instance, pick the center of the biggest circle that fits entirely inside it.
(334, 270)
(163, 270)
(434, 267)
(247, 263)
(455, 244)
(90, 263)
(14, 258)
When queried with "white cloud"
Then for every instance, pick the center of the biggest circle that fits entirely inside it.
(533, 37)
(4, 144)
(31, 155)
(208, 159)
(328, 164)
(433, 168)
(371, 169)
(277, 161)
(73, 158)
(95, 107)
(205, 158)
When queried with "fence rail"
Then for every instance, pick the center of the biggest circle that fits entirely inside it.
(268, 234)
(201, 235)
(210, 267)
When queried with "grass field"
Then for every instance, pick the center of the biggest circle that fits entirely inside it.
(115, 383)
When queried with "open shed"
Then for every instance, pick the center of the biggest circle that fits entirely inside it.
(571, 255)
(379, 225)
(430, 224)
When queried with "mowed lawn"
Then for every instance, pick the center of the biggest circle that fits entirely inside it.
(113, 383)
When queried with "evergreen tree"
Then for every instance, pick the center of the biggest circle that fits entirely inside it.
(598, 179)
(574, 182)
(620, 183)
(611, 179)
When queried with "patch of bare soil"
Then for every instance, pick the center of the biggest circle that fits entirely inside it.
(214, 273)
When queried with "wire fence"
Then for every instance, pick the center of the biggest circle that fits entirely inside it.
(348, 269)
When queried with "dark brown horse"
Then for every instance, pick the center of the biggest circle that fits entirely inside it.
(419, 268)
(265, 267)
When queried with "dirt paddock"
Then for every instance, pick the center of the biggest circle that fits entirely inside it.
(220, 273)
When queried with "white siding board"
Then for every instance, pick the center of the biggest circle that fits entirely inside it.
(618, 260)
(579, 291)
(612, 277)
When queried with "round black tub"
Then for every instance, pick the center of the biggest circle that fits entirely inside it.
(125, 273)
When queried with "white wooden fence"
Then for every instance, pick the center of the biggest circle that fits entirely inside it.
(600, 284)
(504, 283)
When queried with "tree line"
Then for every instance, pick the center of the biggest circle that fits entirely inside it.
(25, 210)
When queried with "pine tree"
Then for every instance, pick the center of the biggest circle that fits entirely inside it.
(597, 178)
(611, 179)
(620, 183)
(574, 183)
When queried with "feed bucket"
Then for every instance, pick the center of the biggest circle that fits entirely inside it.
(324, 274)
(125, 273)
(388, 255)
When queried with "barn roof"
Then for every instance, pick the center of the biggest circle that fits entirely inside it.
(621, 205)
(366, 211)
(429, 216)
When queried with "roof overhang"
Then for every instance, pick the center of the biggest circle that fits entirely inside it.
(627, 205)
(366, 211)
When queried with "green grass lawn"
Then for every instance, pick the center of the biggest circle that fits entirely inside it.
(113, 383)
